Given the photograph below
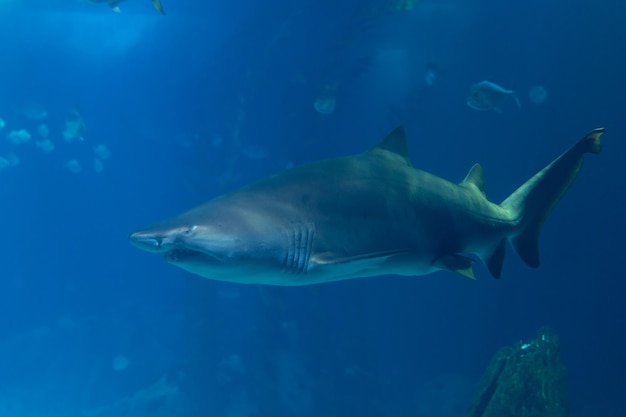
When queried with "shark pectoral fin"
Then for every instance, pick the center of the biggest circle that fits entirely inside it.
(456, 263)
(377, 258)
(344, 267)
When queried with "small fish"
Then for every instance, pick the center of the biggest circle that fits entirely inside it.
(46, 145)
(325, 102)
(430, 77)
(486, 95)
(113, 4)
(10, 160)
(73, 166)
(18, 137)
(157, 5)
(74, 126)
(102, 151)
(34, 111)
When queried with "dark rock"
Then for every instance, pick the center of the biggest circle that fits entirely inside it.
(526, 380)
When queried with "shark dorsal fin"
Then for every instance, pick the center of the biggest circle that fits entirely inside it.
(395, 142)
(475, 178)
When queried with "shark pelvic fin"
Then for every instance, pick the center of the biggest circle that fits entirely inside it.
(456, 263)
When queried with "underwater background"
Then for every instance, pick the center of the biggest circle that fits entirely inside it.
(112, 121)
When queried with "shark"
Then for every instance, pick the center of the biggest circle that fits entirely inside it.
(363, 215)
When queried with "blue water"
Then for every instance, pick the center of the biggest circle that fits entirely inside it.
(216, 94)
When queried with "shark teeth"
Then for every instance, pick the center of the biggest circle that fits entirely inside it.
(176, 255)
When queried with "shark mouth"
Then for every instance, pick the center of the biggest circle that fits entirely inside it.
(181, 255)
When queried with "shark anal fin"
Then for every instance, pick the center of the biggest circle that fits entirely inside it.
(495, 259)
(526, 244)
(456, 263)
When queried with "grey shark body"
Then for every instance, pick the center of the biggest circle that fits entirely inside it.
(358, 216)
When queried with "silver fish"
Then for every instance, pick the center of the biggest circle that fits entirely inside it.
(486, 95)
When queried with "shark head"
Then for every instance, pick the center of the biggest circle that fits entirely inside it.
(230, 245)
(197, 248)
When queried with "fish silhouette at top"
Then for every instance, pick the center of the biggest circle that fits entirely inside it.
(363, 215)
(114, 4)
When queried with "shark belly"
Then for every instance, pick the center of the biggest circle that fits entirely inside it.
(381, 226)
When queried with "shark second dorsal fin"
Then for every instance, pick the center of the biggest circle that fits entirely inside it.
(475, 178)
(395, 142)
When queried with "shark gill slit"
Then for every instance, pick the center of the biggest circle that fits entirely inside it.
(298, 249)
(308, 247)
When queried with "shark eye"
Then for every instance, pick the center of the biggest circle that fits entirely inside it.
(190, 230)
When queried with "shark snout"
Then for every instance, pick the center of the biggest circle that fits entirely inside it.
(164, 238)
(149, 241)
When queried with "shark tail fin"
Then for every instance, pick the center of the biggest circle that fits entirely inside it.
(531, 203)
